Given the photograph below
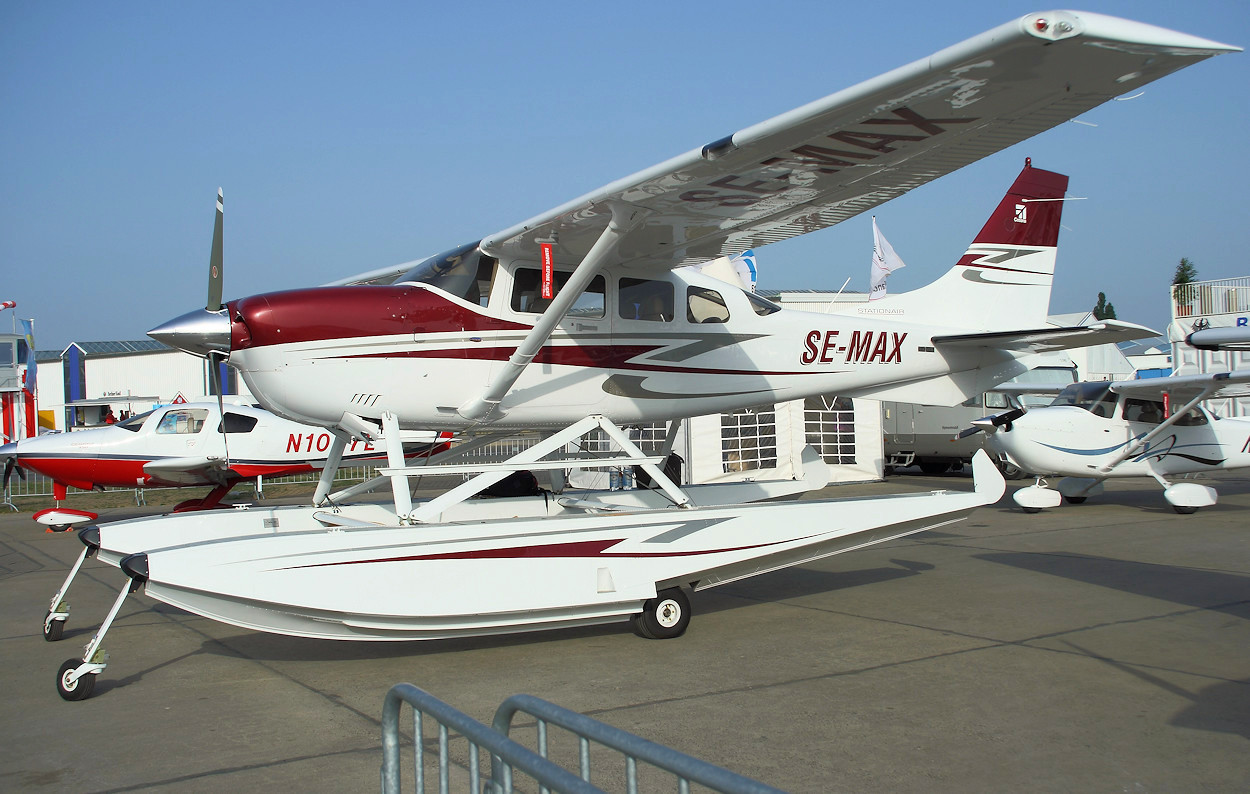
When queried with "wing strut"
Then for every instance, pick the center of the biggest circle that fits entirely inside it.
(1135, 447)
(624, 218)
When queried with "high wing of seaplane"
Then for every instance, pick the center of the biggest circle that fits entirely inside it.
(181, 445)
(1097, 430)
(584, 319)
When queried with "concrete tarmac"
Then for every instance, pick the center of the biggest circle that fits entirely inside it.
(1101, 647)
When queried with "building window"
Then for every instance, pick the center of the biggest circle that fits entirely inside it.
(748, 439)
(829, 424)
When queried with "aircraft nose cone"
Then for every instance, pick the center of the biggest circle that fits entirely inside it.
(198, 332)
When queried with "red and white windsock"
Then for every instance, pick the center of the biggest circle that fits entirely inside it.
(8, 305)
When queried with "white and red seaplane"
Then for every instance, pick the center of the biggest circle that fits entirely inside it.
(584, 319)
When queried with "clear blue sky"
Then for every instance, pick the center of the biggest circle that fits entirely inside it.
(354, 136)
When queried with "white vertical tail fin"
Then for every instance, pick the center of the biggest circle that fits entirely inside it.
(1003, 280)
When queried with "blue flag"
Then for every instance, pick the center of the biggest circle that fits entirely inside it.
(28, 328)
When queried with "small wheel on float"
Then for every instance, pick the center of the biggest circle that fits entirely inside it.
(1075, 500)
(1183, 510)
(1031, 510)
(52, 629)
(80, 689)
(663, 617)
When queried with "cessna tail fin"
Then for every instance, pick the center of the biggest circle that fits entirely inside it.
(1003, 280)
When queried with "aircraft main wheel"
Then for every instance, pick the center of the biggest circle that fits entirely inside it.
(934, 468)
(1184, 510)
(52, 629)
(80, 689)
(663, 617)
(1031, 509)
(1010, 471)
(1075, 500)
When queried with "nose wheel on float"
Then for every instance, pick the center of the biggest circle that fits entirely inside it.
(76, 678)
(58, 608)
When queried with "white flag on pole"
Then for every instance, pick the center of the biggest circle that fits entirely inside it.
(884, 262)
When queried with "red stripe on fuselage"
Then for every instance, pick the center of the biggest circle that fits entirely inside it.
(310, 315)
(606, 357)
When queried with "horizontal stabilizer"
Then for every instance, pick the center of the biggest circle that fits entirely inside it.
(1045, 340)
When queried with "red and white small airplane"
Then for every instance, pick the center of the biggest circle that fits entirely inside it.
(1095, 431)
(584, 318)
(181, 445)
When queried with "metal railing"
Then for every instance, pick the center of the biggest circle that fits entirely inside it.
(508, 756)
(1221, 296)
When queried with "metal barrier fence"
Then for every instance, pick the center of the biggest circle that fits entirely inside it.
(508, 756)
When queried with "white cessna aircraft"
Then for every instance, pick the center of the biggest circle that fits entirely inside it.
(1096, 430)
(582, 318)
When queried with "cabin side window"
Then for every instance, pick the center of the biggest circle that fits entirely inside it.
(182, 421)
(705, 306)
(1192, 418)
(1147, 411)
(237, 423)
(645, 299)
(527, 293)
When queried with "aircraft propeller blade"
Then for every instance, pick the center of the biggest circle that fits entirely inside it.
(214, 364)
(990, 424)
(10, 465)
(215, 258)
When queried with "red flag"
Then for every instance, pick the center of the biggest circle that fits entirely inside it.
(548, 271)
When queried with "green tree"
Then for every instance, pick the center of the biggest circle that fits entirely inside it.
(1182, 280)
(1104, 309)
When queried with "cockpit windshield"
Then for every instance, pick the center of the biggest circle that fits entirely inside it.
(134, 423)
(1095, 397)
(465, 272)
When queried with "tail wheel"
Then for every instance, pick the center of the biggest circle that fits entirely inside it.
(663, 617)
(80, 689)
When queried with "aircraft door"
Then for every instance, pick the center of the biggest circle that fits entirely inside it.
(898, 422)
(583, 332)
